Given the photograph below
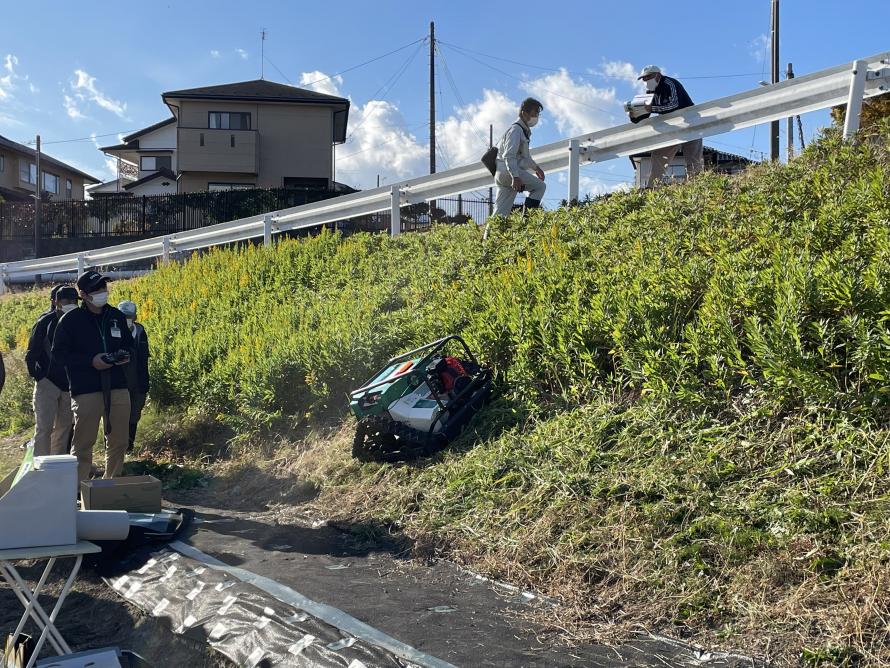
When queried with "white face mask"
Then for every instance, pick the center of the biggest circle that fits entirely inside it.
(532, 122)
(130, 323)
(99, 299)
(651, 84)
(67, 308)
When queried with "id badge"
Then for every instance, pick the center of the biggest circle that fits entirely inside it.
(115, 330)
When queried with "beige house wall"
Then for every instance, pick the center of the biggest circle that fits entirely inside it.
(291, 140)
(9, 177)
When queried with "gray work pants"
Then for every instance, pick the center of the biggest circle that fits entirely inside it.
(661, 158)
(506, 195)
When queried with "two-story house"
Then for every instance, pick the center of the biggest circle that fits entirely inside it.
(152, 152)
(714, 160)
(252, 134)
(18, 174)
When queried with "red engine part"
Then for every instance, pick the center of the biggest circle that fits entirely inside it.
(450, 371)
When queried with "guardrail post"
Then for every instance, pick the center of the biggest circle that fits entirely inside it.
(165, 255)
(395, 213)
(574, 170)
(854, 102)
(81, 264)
(4, 276)
(267, 229)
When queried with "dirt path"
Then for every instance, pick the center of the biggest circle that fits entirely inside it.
(263, 526)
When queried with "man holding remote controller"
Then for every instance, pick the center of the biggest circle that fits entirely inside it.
(93, 342)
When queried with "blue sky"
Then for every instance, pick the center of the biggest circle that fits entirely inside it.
(69, 71)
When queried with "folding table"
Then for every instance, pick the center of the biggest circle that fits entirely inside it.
(28, 598)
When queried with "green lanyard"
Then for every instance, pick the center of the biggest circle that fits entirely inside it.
(101, 326)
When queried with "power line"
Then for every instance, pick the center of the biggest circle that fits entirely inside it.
(544, 90)
(591, 72)
(459, 97)
(90, 138)
(311, 83)
(389, 141)
(283, 75)
(388, 86)
(367, 62)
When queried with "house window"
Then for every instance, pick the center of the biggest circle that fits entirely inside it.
(51, 183)
(69, 188)
(219, 187)
(152, 163)
(228, 120)
(28, 172)
(676, 172)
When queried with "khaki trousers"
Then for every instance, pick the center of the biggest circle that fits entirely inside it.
(52, 418)
(89, 410)
(506, 195)
(693, 154)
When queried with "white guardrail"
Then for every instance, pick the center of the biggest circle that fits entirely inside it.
(847, 83)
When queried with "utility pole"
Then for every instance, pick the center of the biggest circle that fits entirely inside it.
(789, 74)
(432, 98)
(432, 203)
(774, 42)
(37, 211)
(490, 189)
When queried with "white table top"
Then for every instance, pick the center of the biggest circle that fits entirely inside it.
(50, 551)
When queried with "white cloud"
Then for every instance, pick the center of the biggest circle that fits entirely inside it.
(84, 87)
(33, 88)
(214, 53)
(617, 69)
(759, 47)
(242, 53)
(576, 106)
(322, 83)
(71, 108)
(7, 84)
(379, 144)
(110, 168)
(463, 136)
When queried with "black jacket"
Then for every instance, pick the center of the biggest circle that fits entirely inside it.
(80, 336)
(39, 359)
(137, 370)
(669, 96)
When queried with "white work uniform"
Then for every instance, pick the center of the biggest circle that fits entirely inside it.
(515, 160)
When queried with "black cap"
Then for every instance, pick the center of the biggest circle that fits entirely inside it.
(66, 292)
(55, 290)
(88, 281)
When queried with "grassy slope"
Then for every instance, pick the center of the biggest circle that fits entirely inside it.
(691, 427)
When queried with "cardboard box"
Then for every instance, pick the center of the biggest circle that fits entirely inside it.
(135, 494)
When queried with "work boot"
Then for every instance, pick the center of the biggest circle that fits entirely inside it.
(132, 437)
(532, 203)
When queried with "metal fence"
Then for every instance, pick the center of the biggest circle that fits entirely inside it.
(148, 215)
(416, 217)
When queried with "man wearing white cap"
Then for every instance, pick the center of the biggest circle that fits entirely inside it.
(669, 95)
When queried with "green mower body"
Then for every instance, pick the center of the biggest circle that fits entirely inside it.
(418, 402)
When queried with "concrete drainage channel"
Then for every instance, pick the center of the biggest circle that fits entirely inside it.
(423, 615)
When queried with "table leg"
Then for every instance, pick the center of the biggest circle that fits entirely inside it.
(52, 616)
(32, 607)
